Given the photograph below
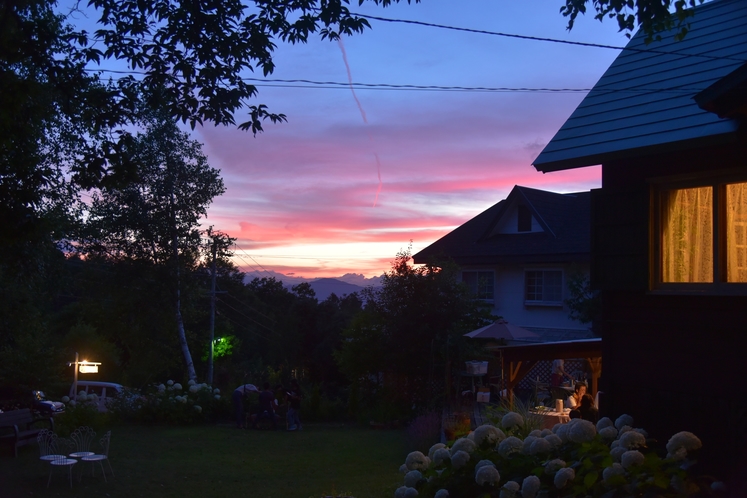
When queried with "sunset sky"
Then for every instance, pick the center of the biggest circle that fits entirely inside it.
(304, 197)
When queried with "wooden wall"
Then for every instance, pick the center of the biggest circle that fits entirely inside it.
(673, 362)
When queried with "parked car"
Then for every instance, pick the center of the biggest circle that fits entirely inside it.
(41, 404)
(104, 391)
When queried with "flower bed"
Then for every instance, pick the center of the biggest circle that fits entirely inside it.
(609, 459)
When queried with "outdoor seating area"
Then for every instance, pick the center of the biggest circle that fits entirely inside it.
(66, 453)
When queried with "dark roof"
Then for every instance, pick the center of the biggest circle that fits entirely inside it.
(564, 219)
(644, 102)
(728, 96)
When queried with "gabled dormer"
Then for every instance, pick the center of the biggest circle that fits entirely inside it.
(518, 216)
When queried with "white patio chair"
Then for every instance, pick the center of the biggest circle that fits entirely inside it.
(60, 448)
(82, 437)
(47, 441)
(100, 457)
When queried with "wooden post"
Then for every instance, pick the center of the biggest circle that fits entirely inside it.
(596, 372)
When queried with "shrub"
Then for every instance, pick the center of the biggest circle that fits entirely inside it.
(574, 459)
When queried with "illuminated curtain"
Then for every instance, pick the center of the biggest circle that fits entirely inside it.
(736, 232)
(687, 235)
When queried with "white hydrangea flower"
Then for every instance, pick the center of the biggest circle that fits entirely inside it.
(487, 475)
(412, 478)
(65, 399)
(631, 458)
(463, 444)
(433, 449)
(641, 431)
(509, 490)
(169, 382)
(403, 468)
(184, 399)
(161, 388)
(632, 439)
(679, 455)
(194, 388)
(581, 431)
(416, 461)
(217, 396)
(509, 446)
(178, 386)
(554, 440)
(563, 477)
(441, 493)
(623, 430)
(82, 394)
(72, 402)
(191, 382)
(411, 493)
(511, 420)
(608, 433)
(483, 463)
(530, 486)
(622, 421)
(562, 433)
(554, 465)
(216, 391)
(718, 486)
(441, 456)
(400, 492)
(615, 443)
(604, 422)
(540, 447)
(525, 447)
(615, 470)
(617, 453)
(546, 432)
(459, 459)
(488, 434)
(204, 386)
(683, 439)
(556, 428)
(198, 408)
(536, 433)
(471, 435)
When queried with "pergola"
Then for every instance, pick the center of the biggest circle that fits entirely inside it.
(518, 359)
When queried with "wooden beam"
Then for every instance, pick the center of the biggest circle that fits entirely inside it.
(596, 372)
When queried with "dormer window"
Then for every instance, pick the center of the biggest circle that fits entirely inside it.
(524, 217)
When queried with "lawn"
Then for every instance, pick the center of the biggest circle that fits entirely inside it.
(224, 461)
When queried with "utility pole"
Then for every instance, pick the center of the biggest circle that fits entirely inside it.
(212, 314)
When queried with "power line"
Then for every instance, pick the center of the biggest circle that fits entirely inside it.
(247, 317)
(338, 85)
(542, 39)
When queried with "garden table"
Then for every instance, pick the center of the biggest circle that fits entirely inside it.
(549, 418)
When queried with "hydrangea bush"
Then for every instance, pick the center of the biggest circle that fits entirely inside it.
(609, 459)
(171, 403)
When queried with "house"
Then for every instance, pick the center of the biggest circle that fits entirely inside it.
(518, 255)
(669, 229)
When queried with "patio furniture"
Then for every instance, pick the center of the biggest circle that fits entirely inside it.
(82, 437)
(47, 441)
(60, 448)
(18, 427)
(100, 457)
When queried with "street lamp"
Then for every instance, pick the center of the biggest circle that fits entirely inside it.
(84, 367)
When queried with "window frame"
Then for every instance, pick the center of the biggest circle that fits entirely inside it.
(476, 294)
(544, 303)
(720, 285)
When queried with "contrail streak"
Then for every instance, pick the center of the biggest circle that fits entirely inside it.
(363, 114)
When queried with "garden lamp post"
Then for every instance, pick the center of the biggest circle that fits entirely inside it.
(84, 367)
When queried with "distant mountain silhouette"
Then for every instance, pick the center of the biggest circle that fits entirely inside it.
(323, 287)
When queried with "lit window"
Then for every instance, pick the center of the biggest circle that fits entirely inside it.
(703, 234)
(687, 235)
(544, 287)
(480, 283)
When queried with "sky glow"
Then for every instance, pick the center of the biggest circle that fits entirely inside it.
(300, 196)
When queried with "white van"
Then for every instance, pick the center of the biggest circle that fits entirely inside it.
(104, 390)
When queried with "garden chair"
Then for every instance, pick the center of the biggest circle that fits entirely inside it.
(47, 441)
(82, 437)
(60, 447)
(100, 457)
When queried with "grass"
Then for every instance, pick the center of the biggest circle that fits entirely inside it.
(224, 461)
